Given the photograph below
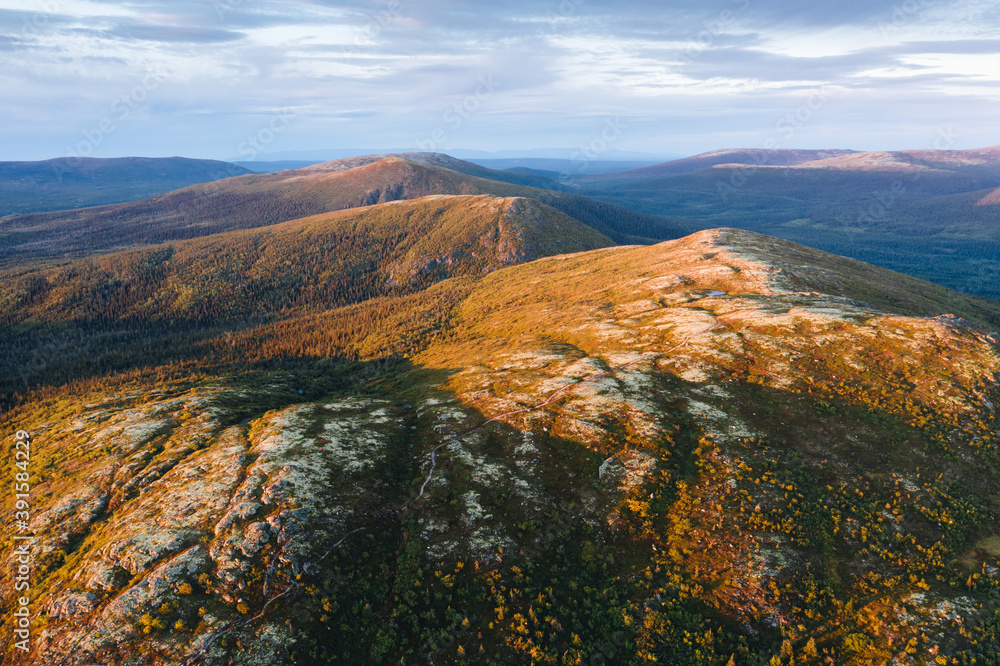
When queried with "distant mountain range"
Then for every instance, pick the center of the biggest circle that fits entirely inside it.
(756, 157)
(555, 169)
(437, 431)
(931, 214)
(259, 200)
(475, 155)
(927, 213)
(59, 184)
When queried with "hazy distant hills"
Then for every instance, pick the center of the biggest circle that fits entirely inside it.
(565, 169)
(714, 158)
(925, 213)
(387, 435)
(271, 167)
(28, 187)
(984, 163)
(264, 199)
(553, 168)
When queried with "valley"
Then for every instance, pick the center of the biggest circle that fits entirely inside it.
(252, 201)
(924, 213)
(571, 333)
(392, 409)
(78, 182)
(753, 450)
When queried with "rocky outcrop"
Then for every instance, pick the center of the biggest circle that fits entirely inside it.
(689, 408)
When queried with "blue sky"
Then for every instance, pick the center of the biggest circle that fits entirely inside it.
(252, 78)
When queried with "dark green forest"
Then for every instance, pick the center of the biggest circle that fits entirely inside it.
(923, 224)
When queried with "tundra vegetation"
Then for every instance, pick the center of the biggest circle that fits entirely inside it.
(478, 444)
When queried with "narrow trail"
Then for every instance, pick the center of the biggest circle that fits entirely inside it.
(308, 566)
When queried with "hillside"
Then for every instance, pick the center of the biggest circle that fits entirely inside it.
(59, 184)
(443, 161)
(259, 200)
(723, 449)
(983, 161)
(178, 291)
(911, 211)
(713, 158)
(991, 199)
(557, 167)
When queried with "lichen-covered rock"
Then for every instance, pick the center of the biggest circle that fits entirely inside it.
(601, 445)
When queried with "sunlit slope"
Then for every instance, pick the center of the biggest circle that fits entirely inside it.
(260, 200)
(721, 449)
(313, 263)
(134, 307)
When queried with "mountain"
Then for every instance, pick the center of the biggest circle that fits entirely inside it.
(914, 211)
(271, 167)
(30, 187)
(313, 263)
(156, 300)
(258, 200)
(984, 160)
(749, 156)
(477, 156)
(561, 168)
(722, 449)
(440, 160)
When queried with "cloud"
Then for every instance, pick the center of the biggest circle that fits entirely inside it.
(383, 73)
(171, 33)
(969, 46)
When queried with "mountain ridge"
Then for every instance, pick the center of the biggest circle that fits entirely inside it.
(29, 187)
(258, 200)
(726, 447)
(924, 213)
(183, 291)
(747, 156)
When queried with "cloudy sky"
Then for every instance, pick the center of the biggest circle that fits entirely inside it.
(257, 78)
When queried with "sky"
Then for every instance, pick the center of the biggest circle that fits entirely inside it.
(260, 79)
